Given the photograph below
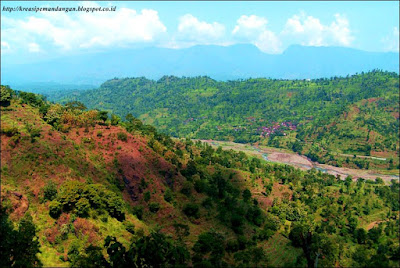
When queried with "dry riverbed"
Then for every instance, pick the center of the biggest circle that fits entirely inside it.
(299, 161)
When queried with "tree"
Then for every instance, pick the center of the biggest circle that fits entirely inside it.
(156, 250)
(325, 249)
(53, 114)
(5, 96)
(211, 243)
(75, 105)
(374, 234)
(297, 147)
(246, 195)
(116, 252)
(92, 258)
(361, 235)
(129, 117)
(115, 119)
(301, 235)
(103, 116)
(18, 248)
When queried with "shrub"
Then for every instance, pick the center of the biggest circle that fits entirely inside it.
(138, 211)
(168, 196)
(50, 191)
(146, 196)
(207, 203)
(33, 132)
(265, 234)
(10, 131)
(200, 186)
(55, 209)
(86, 140)
(191, 210)
(187, 188)
(122, 136)
(154, 207)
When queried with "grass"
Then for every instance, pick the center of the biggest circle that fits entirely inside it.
(377, 216)
(50, 257)
(280, 252)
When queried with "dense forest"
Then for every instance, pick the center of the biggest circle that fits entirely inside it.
(328, 120)
(86, 188)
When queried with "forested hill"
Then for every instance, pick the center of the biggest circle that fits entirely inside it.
(80, 189)
(322, 118)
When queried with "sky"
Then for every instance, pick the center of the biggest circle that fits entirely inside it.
(271, 26)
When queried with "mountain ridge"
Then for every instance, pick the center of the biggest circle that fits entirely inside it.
(238, 61)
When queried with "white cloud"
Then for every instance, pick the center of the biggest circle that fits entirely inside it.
(86, 30)
(126, 27)
(191, 29)
(70, 31)
(391, 41)
(340, 29)
(254, 29)
(250, 25)
(308, 30)
(268, 42)
(33, 47)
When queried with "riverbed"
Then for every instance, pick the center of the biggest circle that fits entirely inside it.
(275, 155)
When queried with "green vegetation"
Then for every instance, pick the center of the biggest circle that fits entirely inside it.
(324, 119)
(158, 201)
(80, 197)
(18, 246)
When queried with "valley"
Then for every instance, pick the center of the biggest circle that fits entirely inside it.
(200, 134)
(286, 157)
(328, 120)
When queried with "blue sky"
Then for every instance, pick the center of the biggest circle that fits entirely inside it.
(271, 26)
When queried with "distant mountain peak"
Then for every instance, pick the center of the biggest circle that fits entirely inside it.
(238, 61)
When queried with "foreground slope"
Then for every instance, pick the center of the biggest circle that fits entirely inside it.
(81, 189)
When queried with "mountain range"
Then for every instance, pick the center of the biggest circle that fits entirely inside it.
(218, 62)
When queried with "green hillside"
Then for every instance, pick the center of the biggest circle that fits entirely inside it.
(82, 189)
(328, 120)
